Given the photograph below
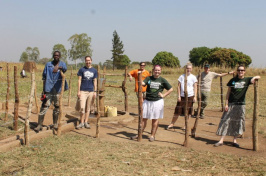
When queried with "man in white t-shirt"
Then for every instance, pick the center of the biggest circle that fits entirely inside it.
(205, 87)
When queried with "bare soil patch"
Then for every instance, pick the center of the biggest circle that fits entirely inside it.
(120, 128)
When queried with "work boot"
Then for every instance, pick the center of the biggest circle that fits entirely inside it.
(40, 122)
(55, 120)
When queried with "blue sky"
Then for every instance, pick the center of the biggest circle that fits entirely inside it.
(145, 26)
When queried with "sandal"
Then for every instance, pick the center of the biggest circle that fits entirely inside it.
(169, 127)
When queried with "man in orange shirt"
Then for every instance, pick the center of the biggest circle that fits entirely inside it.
(144, 73)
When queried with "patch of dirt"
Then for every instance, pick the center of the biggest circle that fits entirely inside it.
(122, 127)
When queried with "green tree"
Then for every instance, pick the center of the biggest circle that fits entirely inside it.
(63, 51)
(123, 61)
(44, 60)
(167, 59)
(218, 56)
(29, 52)
(80, 47)
(198, 56)
(24, 57)
(108, 64)
(117, 51)
(33, 54)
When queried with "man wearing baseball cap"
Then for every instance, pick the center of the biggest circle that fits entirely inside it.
(205, 87)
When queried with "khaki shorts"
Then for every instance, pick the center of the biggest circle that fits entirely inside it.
(85, 101)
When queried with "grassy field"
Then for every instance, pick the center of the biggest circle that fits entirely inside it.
(116, 96)
(73, 154)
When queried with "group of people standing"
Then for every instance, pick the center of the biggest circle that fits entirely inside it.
(233, 119)
(232, 122)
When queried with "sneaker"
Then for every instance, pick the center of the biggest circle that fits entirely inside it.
(87, 125)
(81, 125)
(218, 144)
(134, 137)
(152, 139)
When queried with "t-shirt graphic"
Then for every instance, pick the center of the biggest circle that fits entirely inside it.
(155, 86)
(88, 74)
(239, 85)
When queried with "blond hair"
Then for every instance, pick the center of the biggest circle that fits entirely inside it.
(189, 64)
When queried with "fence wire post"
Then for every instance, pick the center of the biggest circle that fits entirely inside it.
(7, 91)
(140, 101)
(27, 122)
(186, 112)
(16, 106)
(255, 118)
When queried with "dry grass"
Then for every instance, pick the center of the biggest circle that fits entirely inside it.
(115, 96)
(6, 127)
(74, 154)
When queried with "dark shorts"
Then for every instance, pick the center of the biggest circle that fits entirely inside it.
(180, 106)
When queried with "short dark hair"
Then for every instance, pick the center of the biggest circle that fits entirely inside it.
(89, 57)
(58, 53)
(142, 63)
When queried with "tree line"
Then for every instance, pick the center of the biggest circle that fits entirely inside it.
(218, 56)
(80, 46)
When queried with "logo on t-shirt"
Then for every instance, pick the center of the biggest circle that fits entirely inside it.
(239, 85)
(155, 85)
(88, 74)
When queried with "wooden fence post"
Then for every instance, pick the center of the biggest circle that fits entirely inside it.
(193, 130)
(186, 112)
(16, 106)
(61, 104)
(222, 93)
(98, 103)
(125, 90)
(7, 91)
(101, 96)
(69, 93)
(255, 118)
(27, 122)
(36, 99)
(140, 101)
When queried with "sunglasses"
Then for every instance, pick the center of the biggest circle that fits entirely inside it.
(143, 65)
(240, 70)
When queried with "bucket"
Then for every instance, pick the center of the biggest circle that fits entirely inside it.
(112, 111)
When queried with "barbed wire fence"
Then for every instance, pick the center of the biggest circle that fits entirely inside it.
(113, 96)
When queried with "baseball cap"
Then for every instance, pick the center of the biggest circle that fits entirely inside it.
(207, 65)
